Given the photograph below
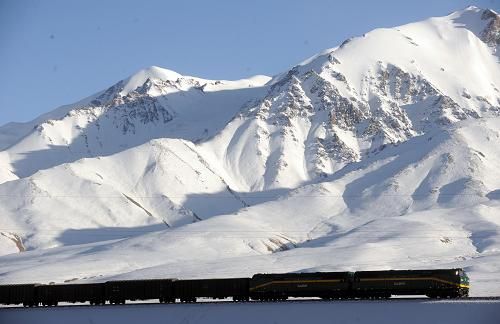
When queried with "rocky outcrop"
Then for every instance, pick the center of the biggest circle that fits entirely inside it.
(491, 34)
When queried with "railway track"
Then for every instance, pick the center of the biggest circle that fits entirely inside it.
(230, 302)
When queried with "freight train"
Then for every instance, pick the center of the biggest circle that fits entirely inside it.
(440, 283)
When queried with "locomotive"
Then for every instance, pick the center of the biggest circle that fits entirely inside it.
(439, 283)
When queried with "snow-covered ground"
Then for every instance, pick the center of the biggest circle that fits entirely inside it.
(346, 312)
(381, 153)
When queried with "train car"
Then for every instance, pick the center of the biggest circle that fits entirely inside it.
(189, 290)
(326, 285)
(19, 294)
(119, 291)
(51, 295)
(440, 283)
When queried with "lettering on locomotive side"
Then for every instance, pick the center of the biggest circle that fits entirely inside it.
(399, 283)
(302, 286)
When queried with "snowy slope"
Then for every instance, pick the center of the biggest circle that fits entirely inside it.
(154, 103)
(351, 221)
(151, 186)
(384, 87)
(379, 153)
(393, 312)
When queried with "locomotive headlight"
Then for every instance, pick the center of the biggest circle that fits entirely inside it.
(456, 273)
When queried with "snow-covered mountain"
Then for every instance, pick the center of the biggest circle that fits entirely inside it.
(380, 153)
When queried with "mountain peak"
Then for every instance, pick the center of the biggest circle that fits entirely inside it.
(472, 8)
(484, 23)
(152, 72)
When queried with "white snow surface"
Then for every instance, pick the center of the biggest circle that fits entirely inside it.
(380, 153)
(389, 312)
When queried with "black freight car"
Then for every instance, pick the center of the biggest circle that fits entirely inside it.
(443, 283)
(326, 285)
(189, 290)
(51, 295)
(19, 294)
(119, 291)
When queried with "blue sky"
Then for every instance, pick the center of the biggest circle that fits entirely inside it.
(57, 52)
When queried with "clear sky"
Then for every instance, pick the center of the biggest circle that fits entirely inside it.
(57, 52)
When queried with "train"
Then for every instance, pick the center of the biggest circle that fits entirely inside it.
(437, 283)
